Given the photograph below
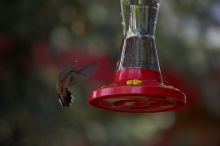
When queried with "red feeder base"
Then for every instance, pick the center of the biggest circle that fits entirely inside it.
(137, 91)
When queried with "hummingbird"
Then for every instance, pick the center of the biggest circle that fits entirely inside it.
(68, 77)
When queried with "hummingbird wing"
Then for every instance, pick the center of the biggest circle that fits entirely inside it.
(83, 73)
(66, 71)
(69, 76)
(69, 72)
(88, 69)
(76, 77)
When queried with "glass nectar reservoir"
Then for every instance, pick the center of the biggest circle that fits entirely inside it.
(137, 86)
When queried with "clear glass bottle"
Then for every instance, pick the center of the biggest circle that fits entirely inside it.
(139, 18)
(137, 86)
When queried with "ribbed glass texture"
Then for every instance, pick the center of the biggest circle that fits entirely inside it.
(139, 18)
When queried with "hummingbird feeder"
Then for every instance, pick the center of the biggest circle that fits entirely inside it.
(137, 86)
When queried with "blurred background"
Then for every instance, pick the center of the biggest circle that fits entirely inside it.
(38, 38)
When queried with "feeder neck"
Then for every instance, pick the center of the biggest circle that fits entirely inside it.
(139, 17)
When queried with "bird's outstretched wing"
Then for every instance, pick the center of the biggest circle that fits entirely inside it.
(88, 69)
(69, 76)
(83, 73)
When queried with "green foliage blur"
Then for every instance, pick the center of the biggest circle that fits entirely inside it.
(35, 39)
